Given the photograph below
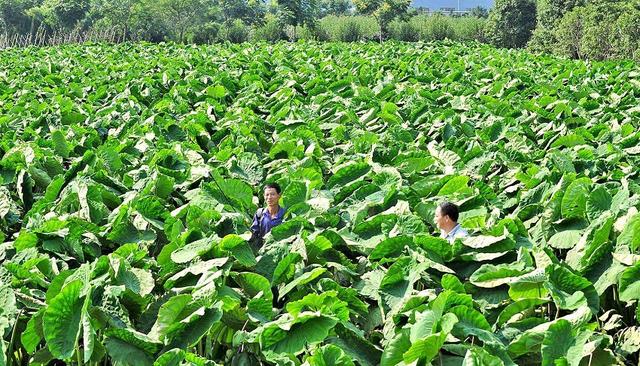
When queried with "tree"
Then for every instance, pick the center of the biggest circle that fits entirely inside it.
(115, 14)
(181, 15)
(335, 7)
(549, 14)
(249, 11)
(65, 14)
(479, 12)
(511, 23)
(299, 12)
(14, 16)
(384, 11)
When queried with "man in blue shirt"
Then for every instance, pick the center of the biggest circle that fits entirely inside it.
(268, 217)
(446, 218)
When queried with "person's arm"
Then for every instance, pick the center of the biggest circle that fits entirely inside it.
(255, 226)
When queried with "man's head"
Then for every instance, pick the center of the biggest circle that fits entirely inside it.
(446, 216)
(272, 194)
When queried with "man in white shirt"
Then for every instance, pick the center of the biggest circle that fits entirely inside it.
(446, 218)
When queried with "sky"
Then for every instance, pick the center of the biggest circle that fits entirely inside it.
(464, 4)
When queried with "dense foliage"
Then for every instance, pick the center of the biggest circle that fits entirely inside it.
(596, 29)
(511, 23)
(129, 173)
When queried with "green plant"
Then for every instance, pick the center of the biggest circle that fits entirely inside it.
(129, 174)
(511, 23)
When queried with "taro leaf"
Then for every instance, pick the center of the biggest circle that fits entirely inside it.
(348, 174)
(60, 145)
(593, 244)
(325, 303)
(33, 334)
(531, 339)
(285, 269)
(469, 318)
(439, 246)
(301, 280)
(562, 344)
(489, 275)
(390, 247)
(483, 241)
(307, 330)
(454, 185)
(239, 248)
(171, 312)
(253, 284)
(294, 193)
(569, 290)
(518, 307)
(427, 348)
(193, 250)
(574, 201)
(393, 352)
(356, 346)
(61, 321)
(598, 202)
(123, 353)
(329, 355)
(565, 239)
(194, 327)
(479, 357)
(170, 358)
(25, 240)
(232, 192)
(88, 330)
(451, 282)
(529, 286)
(629, 283)
(134, 338)
(246, 166)
(631, 234)
(629, 341)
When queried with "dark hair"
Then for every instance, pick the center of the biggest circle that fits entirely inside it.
(275, 186)
(449, 209)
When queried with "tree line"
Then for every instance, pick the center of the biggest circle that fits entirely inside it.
(588, 29)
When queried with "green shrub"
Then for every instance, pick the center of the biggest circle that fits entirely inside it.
(440, 27)
(568, 35)
(511, 23)
(550, 12)
(600, 30)
(404, 31)
(349, 28)
(236, 32)
(271, 31)
(207, 33)
(469, 28)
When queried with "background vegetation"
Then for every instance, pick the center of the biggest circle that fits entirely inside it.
(585, 29)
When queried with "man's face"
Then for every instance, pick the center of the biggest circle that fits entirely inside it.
(271, 196)
(440, 220)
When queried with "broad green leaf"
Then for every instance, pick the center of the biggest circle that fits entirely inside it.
(631, 234)
(125, 354)
(329, 355)
(61, 321)
(347, 174)
(517, 307)
(392, 354)
(489, 275)
(479, 357)
(561, 343)
(629, 283)
(301, 280)
(574, 201)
